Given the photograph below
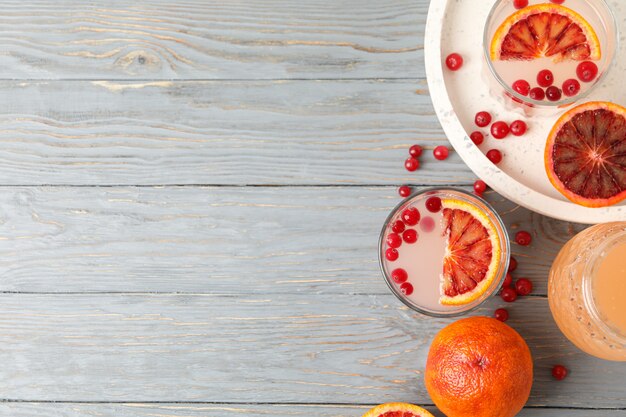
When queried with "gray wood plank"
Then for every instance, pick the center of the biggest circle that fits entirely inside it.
(236, 410)
(251, 39)
(218, 240)
(216, 132)
(302, 348)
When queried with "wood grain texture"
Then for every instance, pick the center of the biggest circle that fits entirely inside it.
(238, 410)
(302, 348)
(250, 39)
(261, 132)
(218, 240)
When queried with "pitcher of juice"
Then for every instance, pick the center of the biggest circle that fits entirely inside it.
(587, 290)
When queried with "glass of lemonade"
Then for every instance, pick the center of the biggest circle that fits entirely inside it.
(443, 251)
(519, 44)
(587, 290)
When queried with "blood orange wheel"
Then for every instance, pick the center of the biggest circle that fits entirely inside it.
(397, 410)
(585, 155)
(545, 30)
(472, 253)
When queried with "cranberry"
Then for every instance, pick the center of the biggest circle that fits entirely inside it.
(394, 240)
(512, 264)
(553, 93)
(557, 1)
(545, 78)
(482, 119)
(406, 288)
(499, 130)
(477, 137)
(537, 93)
(522, 86)
(494, 156)
(518, 128)
(415, 151)
(480, 187)
(399, 275)
(391, 254)
(440, 153)
(559, 372)
(404, 191)
(411, 164)
(523, 286)
(520, 4)
(433, 204)
(398, 226)
(409, 236)
(508, 280)
(427, 224)
(523, 238)
(571, 87)
(410, 216)
(508, 294)
(501, 314)
(587, 71)
(454, 61)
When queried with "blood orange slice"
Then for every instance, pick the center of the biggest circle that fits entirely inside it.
(472, 254)
(545, 30)
(397, 410)
(585, 154)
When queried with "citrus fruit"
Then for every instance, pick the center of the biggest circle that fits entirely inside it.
(545, 30)
(472, 252)
(479, 367)
(397, 410)
(585, 154)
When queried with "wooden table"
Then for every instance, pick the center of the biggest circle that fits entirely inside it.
(190, 203)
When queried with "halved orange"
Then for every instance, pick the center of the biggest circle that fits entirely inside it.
(585, 154)
(545, 30)
(397, 410)
(472, 253)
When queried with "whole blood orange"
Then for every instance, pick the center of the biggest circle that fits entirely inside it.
(479, 367)
(397, 410)
(585, 154)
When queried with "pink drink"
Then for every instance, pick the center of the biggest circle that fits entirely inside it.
(423, 260)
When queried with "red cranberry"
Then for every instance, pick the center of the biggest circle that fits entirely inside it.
(399, 275)
(394, 240)
(398, 226)
(523, 286)
(415, 151)
(523, 238)
(522, 86)
(482, 119)
(404, 191)
(499, 130)
(587, 71)
(571, 87)
(433, 204)
(411, 164)
(410, 216)
(559, 372)
(520, 4)
(501, 314)
(508, 280)
(537, 93)
(508, 294)
(440, 153)
(512, 264)
(553, 93)
(392, 254)
(477, 137)
(557, 1)
(454, 61)
(545, 78)
(480, 187)
(518, 128)
(406, 288)
(409, 236)
(494, 156)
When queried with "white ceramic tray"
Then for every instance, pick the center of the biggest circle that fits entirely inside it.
(457, 26)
